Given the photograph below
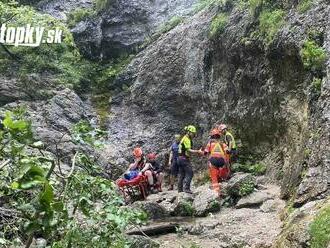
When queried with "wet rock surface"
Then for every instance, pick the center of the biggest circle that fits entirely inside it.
(125, 25)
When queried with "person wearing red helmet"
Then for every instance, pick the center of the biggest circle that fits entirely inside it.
(217, 159)
(157, 170)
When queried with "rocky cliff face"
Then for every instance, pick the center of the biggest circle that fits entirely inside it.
(185, 77)
(263, 92)
(53, 111)
(122, 26)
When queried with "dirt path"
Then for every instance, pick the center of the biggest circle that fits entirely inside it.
(231, 227)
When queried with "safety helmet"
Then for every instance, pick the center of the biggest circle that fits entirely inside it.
(222, 127)
(190, 128)
(137, 152)
(151, 156)
(215, 132)
(177, 136)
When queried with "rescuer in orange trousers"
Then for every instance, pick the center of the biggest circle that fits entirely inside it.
(217, 158)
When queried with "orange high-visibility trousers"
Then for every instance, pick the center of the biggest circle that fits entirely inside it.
(214, 175)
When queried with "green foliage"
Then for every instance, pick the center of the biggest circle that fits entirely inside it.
(101, 5)
(105, 74)
(164, 28)
(102, 106)
(218, 24)
(169, 25)
(246, 188)
(193, 245)
(187, 208)
(317, 84)
(320, 229)
(304, 5)
(253, 5)
(270, 21)
(62, 60)
(313, 56)
(214, 206)
(202, 4)
(79, 15)
(256, 169)
(84, 133)
(81, 209)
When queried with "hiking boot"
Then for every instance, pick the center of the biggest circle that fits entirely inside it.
(188, 191)
(153, 191)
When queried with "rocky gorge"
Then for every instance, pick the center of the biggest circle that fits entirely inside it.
(202, 63)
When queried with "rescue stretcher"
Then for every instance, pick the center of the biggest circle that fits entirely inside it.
(134, 189)
(137, 188)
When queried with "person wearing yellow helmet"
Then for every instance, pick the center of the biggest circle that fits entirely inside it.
(185, 168)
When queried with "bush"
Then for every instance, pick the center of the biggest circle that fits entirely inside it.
(256, 169)
(101, 5)
(269, 23)
(79, 208)
(313, 56)
(218, 24)
(164, 28)
(79, 15)
(304, 5)
(187, 209)
(202, 4)
(172, 23)
(317, 84)
(246, 188)
(319, 229)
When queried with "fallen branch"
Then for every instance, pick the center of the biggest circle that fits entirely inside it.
(155, 230)
(143, 233)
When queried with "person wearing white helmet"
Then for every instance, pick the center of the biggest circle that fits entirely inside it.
(229, 141)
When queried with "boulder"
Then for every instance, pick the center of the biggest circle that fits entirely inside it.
(183, 205)
(253, 200)
(33, 87)
(154, 210)
(272, 205)
(206, 202)
(232, 188)
(138, 241)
